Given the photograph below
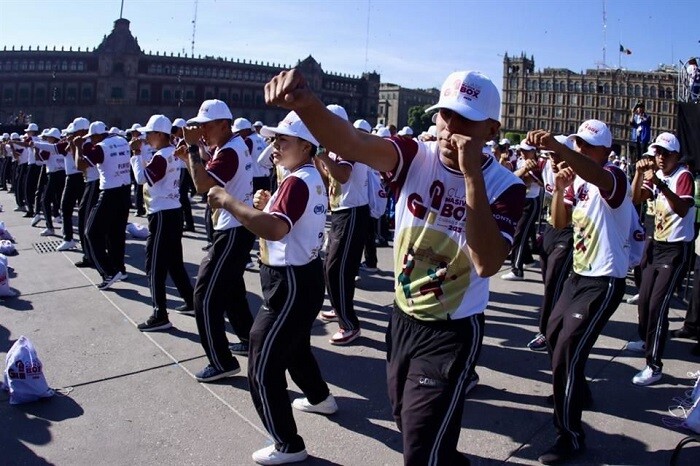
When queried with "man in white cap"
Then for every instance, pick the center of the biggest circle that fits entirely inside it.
(186, 185)
(594, 194)
(220, 289)
(106, 226)
(255, 144)
(456, 212)
(669, 184)
(33, 172)
(257, 126)
(55, 174)
(5, 161)
(160, 178)
(91, 191)
(406, 132)
(349, 203)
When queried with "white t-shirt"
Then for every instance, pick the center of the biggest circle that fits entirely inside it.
(300, 201)
(534, 179)
(232, 168)
(256, 145)
(668, 225)
(436, 279)
(113, 167)
(160, 178)
(352, 193)
(601, 223)
(48, 153)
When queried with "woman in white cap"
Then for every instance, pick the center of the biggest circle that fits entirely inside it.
(669, 184)
(290, 225)
(160, 178)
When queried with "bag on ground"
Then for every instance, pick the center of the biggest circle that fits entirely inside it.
(7, 248)
(24, 374)
(4, 233)
(137, 230)
(5, 290)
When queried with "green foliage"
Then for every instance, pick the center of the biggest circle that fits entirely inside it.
(514, 138)
(418, 120)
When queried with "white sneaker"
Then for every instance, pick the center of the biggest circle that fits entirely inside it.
(511, 277)
(36, 220)
(18, 209)
(328, 316)
(647, 376)
(327, 406)
(47, 232)
(270, 455)
(66, 245)
(637, 346)
(633, 299)
(57, 220)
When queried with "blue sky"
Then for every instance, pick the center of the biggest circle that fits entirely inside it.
(412, 43)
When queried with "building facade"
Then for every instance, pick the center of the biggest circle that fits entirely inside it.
(395, 101)
(559, 100)
(120, 84)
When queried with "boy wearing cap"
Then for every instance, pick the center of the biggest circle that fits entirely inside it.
(528, 170)
(186, 185)
(160, 178)
(105, 231)
(220, 288)
(670, 185)
(349, 203)
(290, 225)
(456, 212)
(593, 194)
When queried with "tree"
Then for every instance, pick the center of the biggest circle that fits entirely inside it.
(418, 120)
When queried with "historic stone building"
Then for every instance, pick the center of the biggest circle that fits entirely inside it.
(558, 99)
(119, 83)
(394, 102)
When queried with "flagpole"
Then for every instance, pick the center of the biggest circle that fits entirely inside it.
(619, 41)
(121, 10)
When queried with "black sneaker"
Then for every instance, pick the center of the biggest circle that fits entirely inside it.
(185, 309)
(561, 452)
(153, 324)
(240, 349)
(683, 332)
(82, 264)
(539, 343)
(472, 382)
(188, 228)
(211, 373)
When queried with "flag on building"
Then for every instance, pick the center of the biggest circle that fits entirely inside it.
(624, 50)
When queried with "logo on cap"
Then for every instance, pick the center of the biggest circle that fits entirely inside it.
(591, 128)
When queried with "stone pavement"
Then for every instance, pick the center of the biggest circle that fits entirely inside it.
(130, 398)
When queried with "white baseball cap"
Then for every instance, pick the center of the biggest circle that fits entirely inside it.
(651, 152)
(525, 146)
(595, 133)
(14, 137)
(135, 127)
(568, 141)
(258, 124)
(383, 132)
(504, 142)
(405, 131)
(211, 110)
(290, 126)
(96, 127)
(179, 123)
(379, 125)
(239, 124)
(432, 131)
(363, 125)
(5, 136)
(32, 127)
(43, 132)
(668, 141)
(470, 94)
(338, 110)
(157, 124)
(114, 130)
(80, 124)
(53, 133)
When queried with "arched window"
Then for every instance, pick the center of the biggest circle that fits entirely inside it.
(64, 65)
(606, 88)
(669, 93)
(577, 86)
(23, 66)
(637, 90)
(549, 85)
(591, 87)
(645, 91)
(652, 92)
(630, 90)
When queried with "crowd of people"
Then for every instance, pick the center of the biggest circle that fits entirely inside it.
(461, 203)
